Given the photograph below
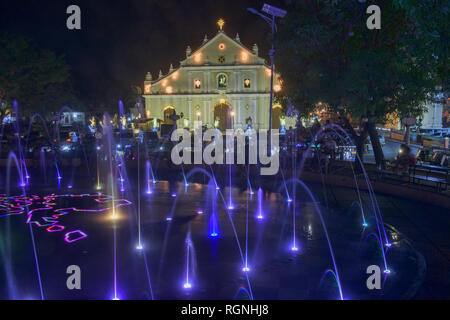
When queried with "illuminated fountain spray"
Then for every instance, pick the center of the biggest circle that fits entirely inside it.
(213, 219)
(230, 201)
(21, 158)
(114, 216)
(13, 157)
(344, 136)
(294, 247)
(43, 164)
(77, 131)
(122, 186)
(42, 121)
(109, 143)
(190, 261)
(214, 178)
(97, 149)
(247, 171)
(285, 186)
(147, 176)
(297, 181)
(186, 184)
(260, 207)
(246, 267)
(139, 246)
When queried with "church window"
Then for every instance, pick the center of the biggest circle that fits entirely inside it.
(221, 59)
(222, 81)
(197, 84)
(247, 83)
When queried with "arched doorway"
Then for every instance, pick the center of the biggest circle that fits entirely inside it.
(168, 112)
(277, 113)
(222, 116)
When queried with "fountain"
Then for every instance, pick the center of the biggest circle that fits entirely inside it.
(231, 247)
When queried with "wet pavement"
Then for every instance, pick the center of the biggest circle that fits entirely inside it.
(418, 259)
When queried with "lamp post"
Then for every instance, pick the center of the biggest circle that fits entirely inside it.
(274, 12)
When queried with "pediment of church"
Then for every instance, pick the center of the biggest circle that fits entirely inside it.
(221, 65)
(223, 50)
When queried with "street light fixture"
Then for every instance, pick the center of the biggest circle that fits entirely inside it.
(274, 12)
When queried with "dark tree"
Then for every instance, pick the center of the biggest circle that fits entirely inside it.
(37, 78)
(327, 54)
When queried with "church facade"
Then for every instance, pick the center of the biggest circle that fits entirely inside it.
(223, 84)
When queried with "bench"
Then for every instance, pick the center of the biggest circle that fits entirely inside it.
(392, 175)
(438, 181)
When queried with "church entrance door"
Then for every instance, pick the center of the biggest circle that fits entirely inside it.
(222, 117)
(168, 112)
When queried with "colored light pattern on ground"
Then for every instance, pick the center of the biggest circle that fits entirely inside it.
(41, 211)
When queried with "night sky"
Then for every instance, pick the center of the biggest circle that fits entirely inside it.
(121, 40)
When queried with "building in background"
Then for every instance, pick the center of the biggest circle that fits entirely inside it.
(223, 84)
(70, 118)
(432, 118)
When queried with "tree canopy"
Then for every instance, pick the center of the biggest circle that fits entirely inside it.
(326, 53)
(37, 78)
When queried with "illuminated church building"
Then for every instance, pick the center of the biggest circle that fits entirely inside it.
(222, 83)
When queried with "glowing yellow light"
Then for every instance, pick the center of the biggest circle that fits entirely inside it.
(164, 83)
(232, 113)
(197, 84)
(199, 114)
(175, 75)
(277, 88)
(221, 23)
(169, 90)
(198, 57)
(244, 56)
(147, 88)
(222, 46)
(147, 113)
(268, 72)
(222, 101)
